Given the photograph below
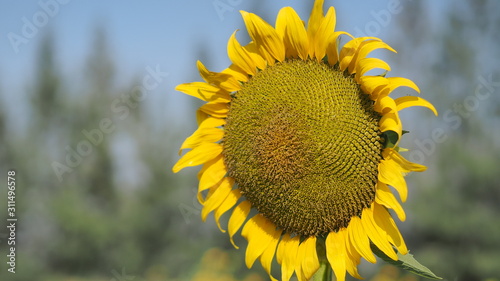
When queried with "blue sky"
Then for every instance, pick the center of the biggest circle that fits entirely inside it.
(167, 34)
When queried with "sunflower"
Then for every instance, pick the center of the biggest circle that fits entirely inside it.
(301, 145)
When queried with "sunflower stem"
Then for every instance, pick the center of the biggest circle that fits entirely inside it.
(324, 272)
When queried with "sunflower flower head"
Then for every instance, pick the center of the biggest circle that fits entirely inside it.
(295, 130)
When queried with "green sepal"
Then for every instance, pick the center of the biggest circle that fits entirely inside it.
(383, 74)
(390, 139)
(406, 262)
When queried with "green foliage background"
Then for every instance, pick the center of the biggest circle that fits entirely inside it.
(99, 224)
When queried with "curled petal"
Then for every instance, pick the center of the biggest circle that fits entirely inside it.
(385, 197)
(204, 91)
(222, 80)
(407, 101)
(368, 64)
(364, 49)
(405, 165)
(350, 50)
(385, 105)
(240, 56)
(391, 122)
(332, 50)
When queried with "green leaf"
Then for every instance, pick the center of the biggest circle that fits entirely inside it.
(406, 262)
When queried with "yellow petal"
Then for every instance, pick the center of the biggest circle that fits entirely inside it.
(204, 168)
(332, 50)
(202, 135)
(308, 257)
(391, 122)
(315, 20)
(378, 87)
(210, 192)
(213, 174)
(221, 80)
(359, 239)
(376, 235)
(217, 197)
(324, 33)
(201, 116)
(385, 222)
(353, 259)
(390, 173)
(364, 49)
(267, 256)
(407, 101)
(239, 56)
(204, 91)
(259, 232)
(290, 257)
(199, 155)
(373, 85)
(350, 49)
(227, 204)
(239, 215)
(269, 43)
(396, 82)
(238, 73)
(368, 64)
(336, 252)
(290, 27)
(406, 166)
(218, 110)
(257, 58)
(211, 122)
(301, 254)
(385, 197)
(385, 105)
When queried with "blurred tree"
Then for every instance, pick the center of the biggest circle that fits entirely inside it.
(456, 234)
(114, 204)
(45, 98)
